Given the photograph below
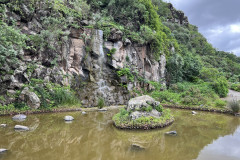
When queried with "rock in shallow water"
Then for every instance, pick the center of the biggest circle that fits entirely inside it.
(193, 112)
(3, 125)
(21, 128)
(3, 150)
(84, 112)
(19, 117)
(137, 147)
(68, 118)
(174, 133)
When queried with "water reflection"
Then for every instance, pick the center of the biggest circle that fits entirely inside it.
(227, 147)
(93, 137)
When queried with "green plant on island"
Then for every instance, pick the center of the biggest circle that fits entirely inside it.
(123, 120)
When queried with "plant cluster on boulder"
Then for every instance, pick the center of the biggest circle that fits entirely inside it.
(143, 113)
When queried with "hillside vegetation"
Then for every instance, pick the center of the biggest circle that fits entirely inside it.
(197, 73)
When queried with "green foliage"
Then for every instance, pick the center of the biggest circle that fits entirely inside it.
(9, 107)
(166, 96)
(209, 74)
(11, 42)
(159, 108)
(234, 106)
(126, 72)
(186, 93)
(122, 119)
(100, 103)
(220, 85)
(192, 67)
(175, 68)
(220, 103)
(111, 52)
(147, 109)
(53, 95)
(235, 86)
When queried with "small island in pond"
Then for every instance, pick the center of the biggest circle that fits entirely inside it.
(143, 113)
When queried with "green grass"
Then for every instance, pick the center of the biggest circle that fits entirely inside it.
(189, 94)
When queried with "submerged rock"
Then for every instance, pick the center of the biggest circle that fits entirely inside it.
(174, 133)
(68, 118)
(3, 150)
(21, 128)
(84, 112)
(193, 112)
(137, 147)
(3, 125)
(19, 117)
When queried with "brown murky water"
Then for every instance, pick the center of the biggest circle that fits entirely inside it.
(93, 137)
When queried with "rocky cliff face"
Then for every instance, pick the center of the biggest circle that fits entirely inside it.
(82, 60)
(177, 16)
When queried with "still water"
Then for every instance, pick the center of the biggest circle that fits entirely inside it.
(205, 136)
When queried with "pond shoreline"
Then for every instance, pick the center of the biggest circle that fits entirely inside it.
(59, 110)
(196, 108)
(93, 109)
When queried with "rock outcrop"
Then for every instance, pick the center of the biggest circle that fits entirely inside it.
(81, 60)
(177, 16)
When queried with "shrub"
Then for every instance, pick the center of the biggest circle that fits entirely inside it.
(63, 95)
(234, 106)
(235, 87)
(209, 74)
(220, 103)
(111, 52)
(100, 103)
(126, 72)
(220, 86)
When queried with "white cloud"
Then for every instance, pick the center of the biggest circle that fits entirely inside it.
(235, 28)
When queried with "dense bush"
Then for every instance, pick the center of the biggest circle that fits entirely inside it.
(11, 43)
(220, 85)
(209, 74)
(235, 86)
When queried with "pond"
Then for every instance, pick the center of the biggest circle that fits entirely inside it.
(93, 137)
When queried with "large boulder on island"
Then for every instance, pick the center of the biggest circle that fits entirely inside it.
(143, 113)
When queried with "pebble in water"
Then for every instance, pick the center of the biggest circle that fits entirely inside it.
(21, 128)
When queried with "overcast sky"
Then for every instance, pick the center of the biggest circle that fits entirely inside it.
(217, 20)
